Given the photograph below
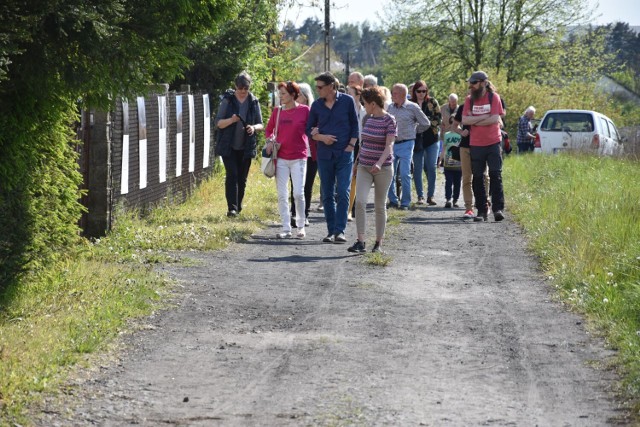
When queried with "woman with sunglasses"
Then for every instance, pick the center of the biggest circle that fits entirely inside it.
(286, 130)
(427, 146)
(239, 118)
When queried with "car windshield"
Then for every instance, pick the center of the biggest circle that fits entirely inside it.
(571, 122)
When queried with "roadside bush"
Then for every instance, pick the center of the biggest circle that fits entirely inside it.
(39, 186)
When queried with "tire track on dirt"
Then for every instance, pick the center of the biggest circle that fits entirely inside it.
(459, 330)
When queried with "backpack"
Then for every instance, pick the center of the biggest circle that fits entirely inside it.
(506, 144)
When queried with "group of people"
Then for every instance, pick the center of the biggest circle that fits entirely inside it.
(356, 138)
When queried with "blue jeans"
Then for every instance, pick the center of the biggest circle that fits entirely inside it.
(403, 153)
(426, 160)
(335, 185)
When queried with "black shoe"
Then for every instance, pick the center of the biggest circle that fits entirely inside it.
(392, 206)
(431, 201)
(357, 247)
(448, 204)
(498, 215)
(339, 238)
(232, 213)
(482, 216)
(455, 204)
(404, 208)
(377, 248)
(328, 239)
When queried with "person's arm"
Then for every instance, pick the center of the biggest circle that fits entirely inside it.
(423, 121)
(474, 120)
(445, 123)
(222, 111)
(271, 124)
(437, 114)
(355, 127)
(388, 150)
(257, 126)
(489, 120)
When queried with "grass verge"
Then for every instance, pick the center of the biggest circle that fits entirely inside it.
(582, 218)
(53, 320)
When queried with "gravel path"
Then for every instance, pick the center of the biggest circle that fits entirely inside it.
(459, 329)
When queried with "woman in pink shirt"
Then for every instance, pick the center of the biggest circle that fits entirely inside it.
(291, 141)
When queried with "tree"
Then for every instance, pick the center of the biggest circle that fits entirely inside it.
(496, 34)
(52, 54)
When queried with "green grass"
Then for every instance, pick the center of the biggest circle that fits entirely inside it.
(53, 321)
(582, 218)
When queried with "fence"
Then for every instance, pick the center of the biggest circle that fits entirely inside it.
(145, 151)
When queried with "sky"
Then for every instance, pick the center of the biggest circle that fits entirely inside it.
(354, 11)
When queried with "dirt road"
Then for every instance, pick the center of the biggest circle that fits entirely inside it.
(460, 329)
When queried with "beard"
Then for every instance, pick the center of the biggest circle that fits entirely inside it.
(476, 94)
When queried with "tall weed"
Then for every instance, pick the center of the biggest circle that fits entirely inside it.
(582, 216)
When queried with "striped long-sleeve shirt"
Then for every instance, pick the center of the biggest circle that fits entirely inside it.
(374, 139)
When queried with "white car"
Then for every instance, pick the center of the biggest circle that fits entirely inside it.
(577, 130)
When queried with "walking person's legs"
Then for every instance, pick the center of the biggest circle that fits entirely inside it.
(393, 196)
(232, 177)
(404, 152)
(478, 166)
(467, 194)
(448, 187)
(344, 169)
(418, 161)
(283, 172)
(243, 174)
(494, 161)
(298, 176)
(381, 180)
(457, 177)
(327, 172)
(431, 167)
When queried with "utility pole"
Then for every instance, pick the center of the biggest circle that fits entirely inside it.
(327, 33)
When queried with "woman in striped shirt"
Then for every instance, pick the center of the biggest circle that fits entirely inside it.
(374, 166)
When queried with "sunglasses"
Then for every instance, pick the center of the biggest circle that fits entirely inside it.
(472, 82)
(242, 88)
(421, 91)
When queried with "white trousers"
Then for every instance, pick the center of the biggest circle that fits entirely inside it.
(297, 170)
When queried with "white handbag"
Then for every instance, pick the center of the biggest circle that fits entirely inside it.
(268, 163)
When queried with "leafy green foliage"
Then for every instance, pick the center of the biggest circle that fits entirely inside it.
(54, 54)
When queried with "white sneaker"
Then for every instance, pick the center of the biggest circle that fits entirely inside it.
(301, 233)
(284, 235)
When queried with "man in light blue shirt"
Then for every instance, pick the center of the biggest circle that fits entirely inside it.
(410, 119)
(333, 124)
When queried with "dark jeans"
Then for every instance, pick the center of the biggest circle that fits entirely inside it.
(525, 148)
(452, 180)
(480, 158)
(237, 171)
(312, 170)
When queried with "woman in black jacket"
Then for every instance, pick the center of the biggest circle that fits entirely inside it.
(239, 118)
